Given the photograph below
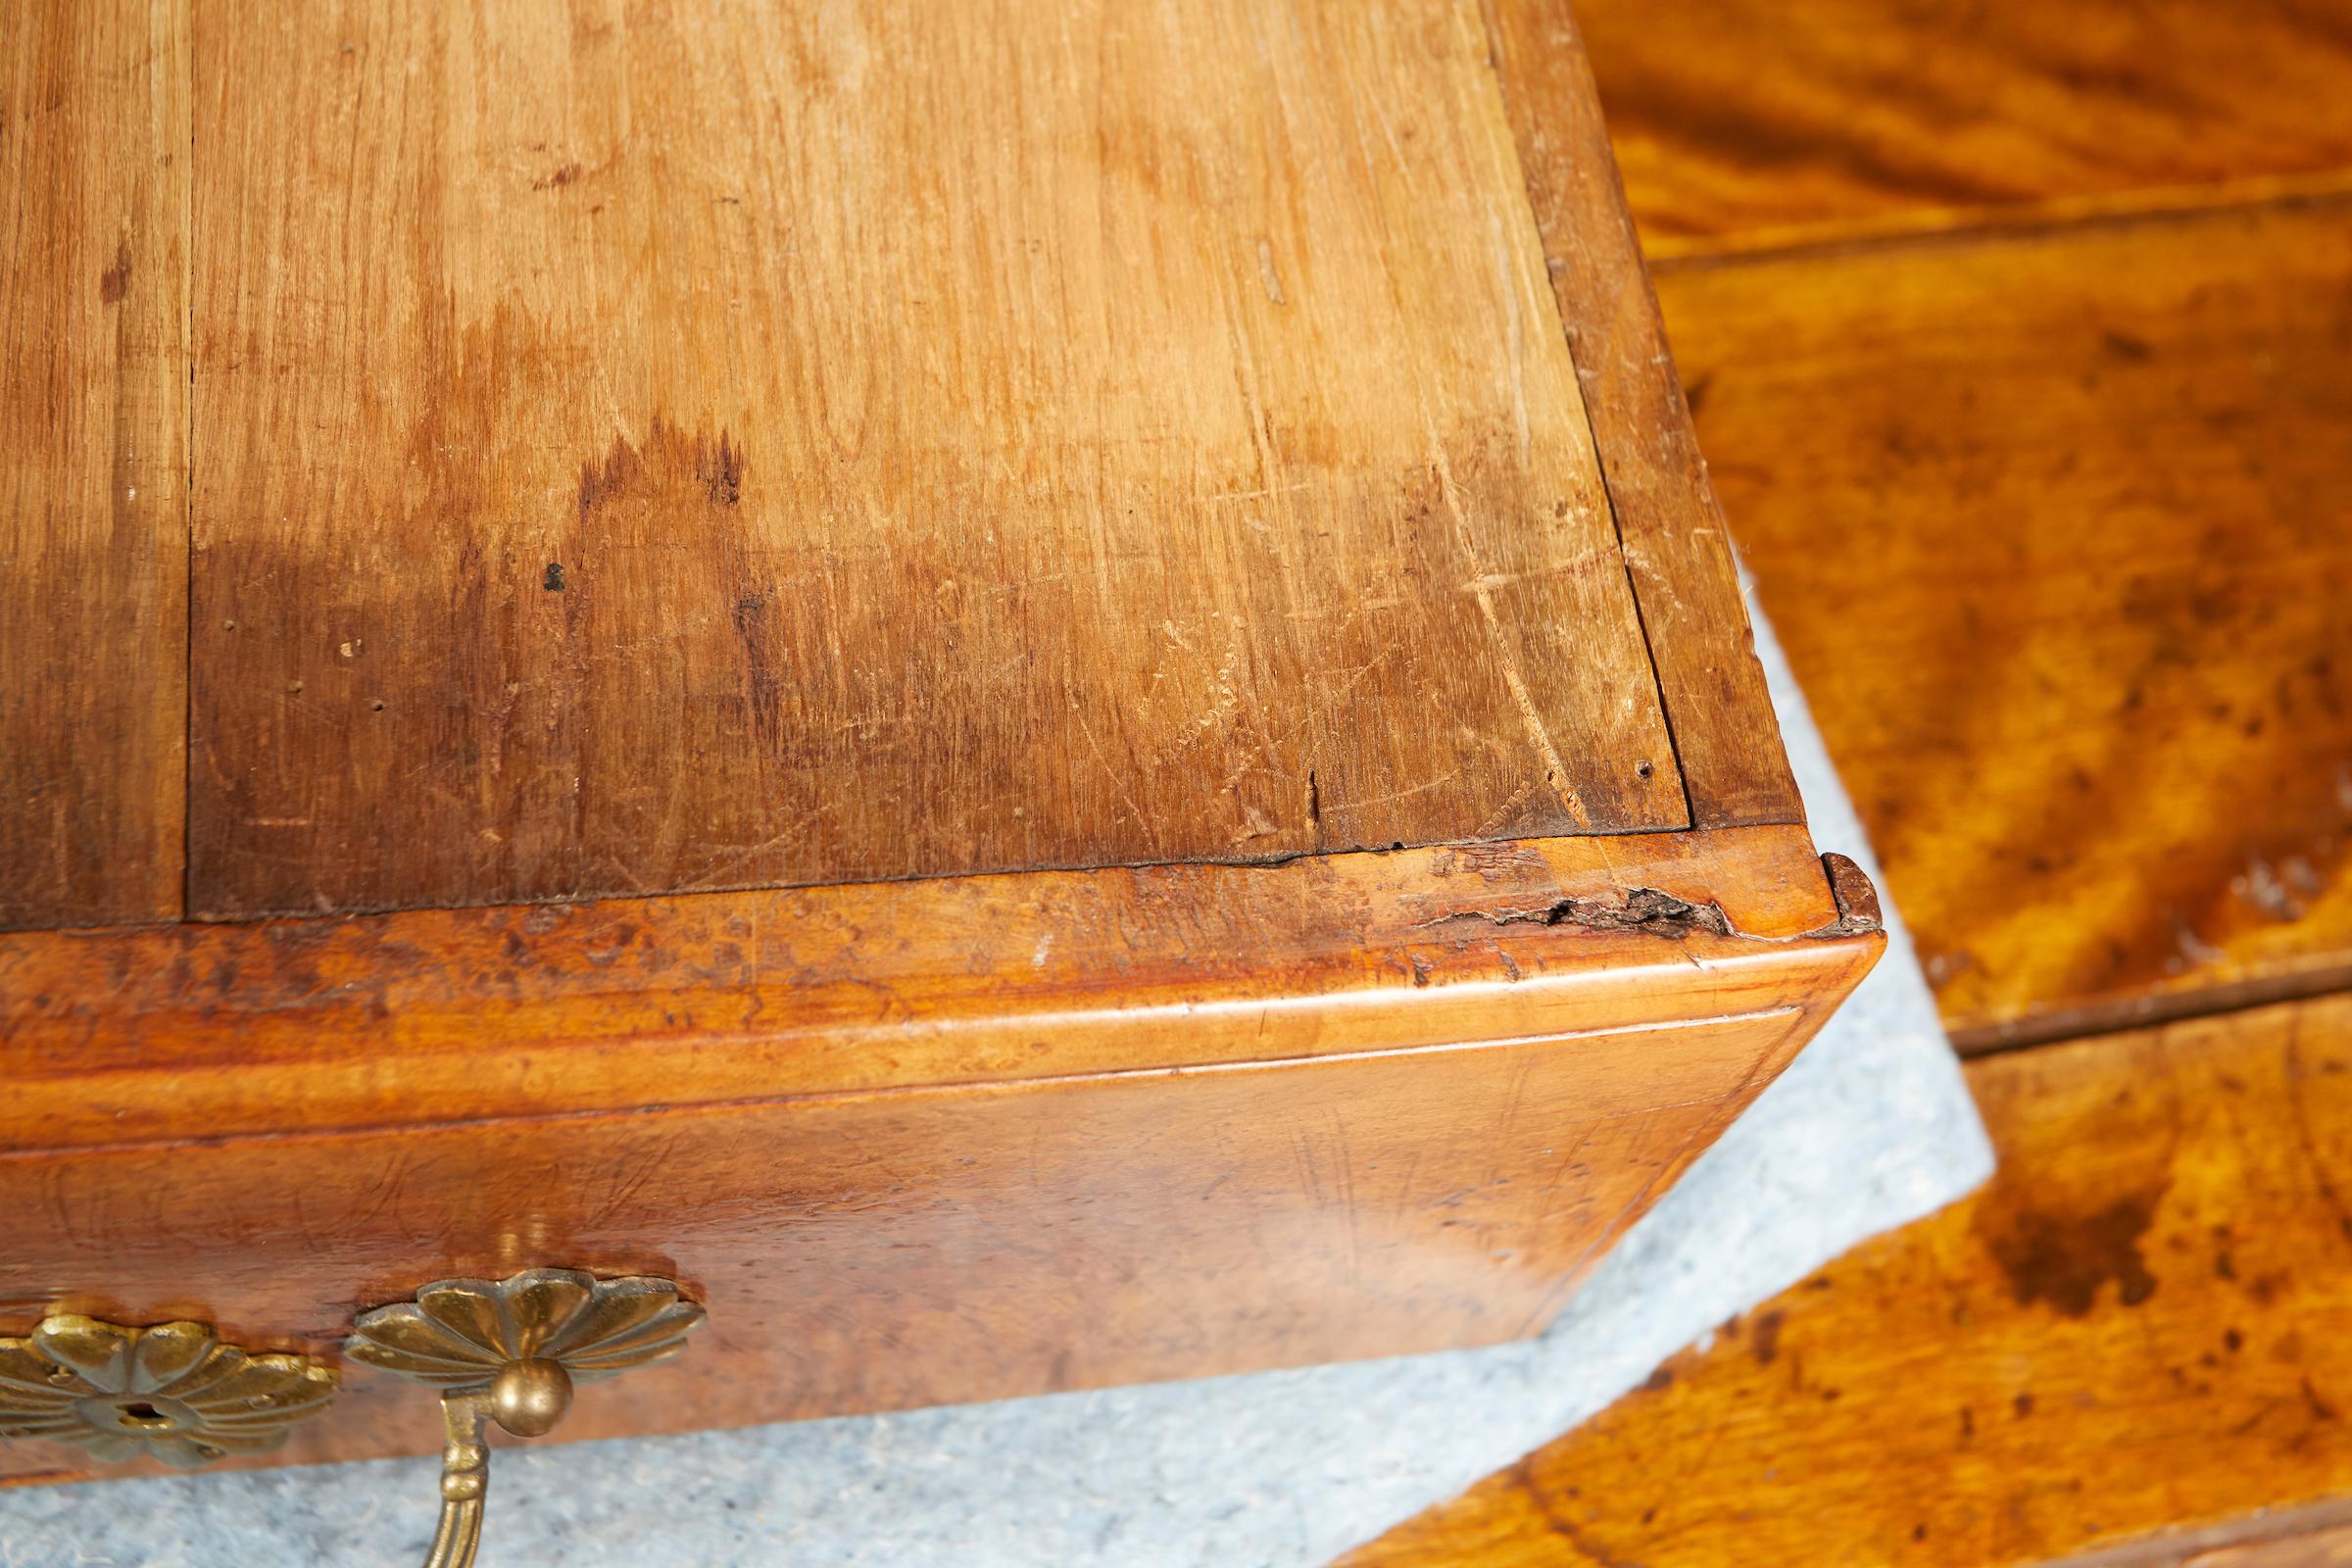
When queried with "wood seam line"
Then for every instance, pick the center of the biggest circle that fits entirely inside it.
(2063, 1026)
(587, 898)
(187, 496)
(997, 1086)
(2158, 204)
(2171, 1546)
(1489, 23)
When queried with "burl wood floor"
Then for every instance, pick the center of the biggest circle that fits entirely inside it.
(2020, 339)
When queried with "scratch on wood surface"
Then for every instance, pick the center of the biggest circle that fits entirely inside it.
(1126, 797)
(1516, 324)
(1256, 826)
(1557, 771)
(1261, 494)
(1267, 275)
(1404, 794)
(1502, 815)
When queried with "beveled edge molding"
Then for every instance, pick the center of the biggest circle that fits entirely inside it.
(197, 1035)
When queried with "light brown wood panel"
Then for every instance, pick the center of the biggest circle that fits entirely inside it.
(657, 447)
(2057, 532)
(2141, 1326)
(966, 1242)
(1726, 740)
(94, 460)
(1747, 122)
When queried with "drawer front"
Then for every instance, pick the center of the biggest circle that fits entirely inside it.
(873, 1250)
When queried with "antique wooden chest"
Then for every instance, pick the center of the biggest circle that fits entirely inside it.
(1035, 693)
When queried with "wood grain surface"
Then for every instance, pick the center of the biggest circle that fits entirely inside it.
(966, 1242)
(2139, 1326)
(1726, 738)
(2056, 529)
(191, 1032)
(1742, 122)
(1054, 1130)
(93, 459)
(659, 448)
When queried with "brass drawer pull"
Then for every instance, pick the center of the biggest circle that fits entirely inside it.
(510, 1352)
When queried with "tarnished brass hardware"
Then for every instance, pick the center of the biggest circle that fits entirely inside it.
(172, 1391)
(510, 1352)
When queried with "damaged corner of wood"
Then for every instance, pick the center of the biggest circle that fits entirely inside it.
(1857, 900)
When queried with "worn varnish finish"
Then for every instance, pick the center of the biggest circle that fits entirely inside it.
(1045, 1131)
(2141, 1326)
(93, 459)
(1675, 546)
(1744, 123)
(1191, 468)
(2092, 484)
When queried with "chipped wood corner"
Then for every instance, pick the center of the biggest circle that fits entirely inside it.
(1857, 899)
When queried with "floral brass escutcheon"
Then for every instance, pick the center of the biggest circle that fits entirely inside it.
(172, 1391)
(459, 1334)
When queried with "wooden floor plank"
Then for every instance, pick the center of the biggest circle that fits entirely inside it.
(2144, 1324)
(624, 427)
(2057, 530)
(2323, 1548)
(94, 460)
(1747, 122)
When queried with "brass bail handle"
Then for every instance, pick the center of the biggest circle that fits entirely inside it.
(527, 1398)
(510, 1352)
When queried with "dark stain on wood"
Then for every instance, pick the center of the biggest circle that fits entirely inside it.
(2065, 1259)
(899, 567)
(115, 281)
